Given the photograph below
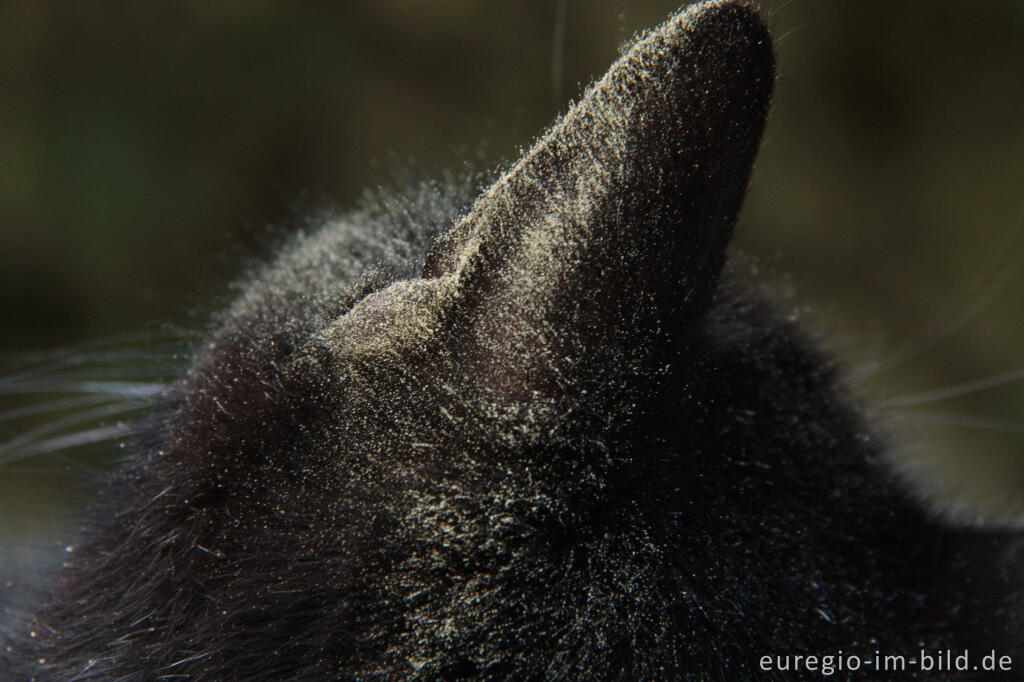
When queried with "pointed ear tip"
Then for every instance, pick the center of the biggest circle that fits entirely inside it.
(730, 10)
(738, 19)
(733, 25)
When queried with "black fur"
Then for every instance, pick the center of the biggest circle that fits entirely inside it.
(549, 434)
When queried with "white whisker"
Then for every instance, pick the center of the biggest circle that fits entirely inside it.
(52, 406)
(117, 389)
(47, 447)
(987, 285)
(954, 391)
(32, 436)
(962, 420)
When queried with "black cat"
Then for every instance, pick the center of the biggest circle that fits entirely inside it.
(547, 434)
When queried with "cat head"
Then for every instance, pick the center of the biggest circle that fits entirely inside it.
(376, 469)
(437, 435)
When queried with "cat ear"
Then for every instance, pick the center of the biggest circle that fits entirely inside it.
(604, 242)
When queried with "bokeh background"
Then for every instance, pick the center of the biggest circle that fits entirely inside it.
(148, 151)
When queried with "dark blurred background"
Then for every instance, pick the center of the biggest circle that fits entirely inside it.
(149, 150)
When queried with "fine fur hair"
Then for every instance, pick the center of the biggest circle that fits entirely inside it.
(543, 432)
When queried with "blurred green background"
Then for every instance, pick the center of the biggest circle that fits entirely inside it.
(148, 150)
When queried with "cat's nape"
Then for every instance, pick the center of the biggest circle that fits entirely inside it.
(545, 434)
